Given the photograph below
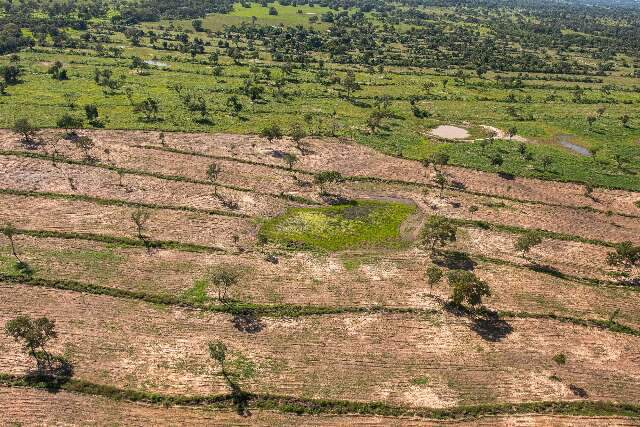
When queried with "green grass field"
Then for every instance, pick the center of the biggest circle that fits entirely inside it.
(361, 224)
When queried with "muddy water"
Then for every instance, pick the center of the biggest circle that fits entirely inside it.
(565, 141)
(450, 132)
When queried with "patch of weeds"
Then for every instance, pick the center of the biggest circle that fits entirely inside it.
(198, 292)
(420, 381)
(355, 225)
(560, 359)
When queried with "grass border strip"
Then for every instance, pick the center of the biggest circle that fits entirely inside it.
(117, 202)
(302, 406)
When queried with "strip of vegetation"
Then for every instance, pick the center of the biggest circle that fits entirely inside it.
(122, 241)
(549, 271)
(227, 158)
(512, 229)
(612, 325)
(117, 202)
(231, 307)
(301, 406)
(176, 178)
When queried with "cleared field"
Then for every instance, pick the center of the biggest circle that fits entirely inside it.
(434, 361)
(386, 335)
(350, 279)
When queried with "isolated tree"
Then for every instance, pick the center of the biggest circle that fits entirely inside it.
(24, 128)
(326, 177)
(9, 231)
(223, 278)
(69, 123)
(527, 241)
(437, 160)
(234, 105)
(271, 132)
(213, 171)
(91, 111)
(57, 71)
(11, 73)
(511, 132)
(219, 352)
(433, 275)
(546, 161)
(150, 108)
(290, 159)
(466, 286)
(437, 232)
(140, 217)
(297, 134)
(441, 181)
(624, 119)
(33, 334)
(350, 84)
(591, 120)
(85, 144)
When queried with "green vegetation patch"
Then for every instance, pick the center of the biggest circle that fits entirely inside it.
(356, 225)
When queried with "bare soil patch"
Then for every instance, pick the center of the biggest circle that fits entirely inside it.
(135, 345)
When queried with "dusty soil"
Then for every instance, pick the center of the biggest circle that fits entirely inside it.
(38, 175)
(335, 280)
(88, 217)
(349, 159)
(375, 357)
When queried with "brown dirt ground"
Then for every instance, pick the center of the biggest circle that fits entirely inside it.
(40, 408)
(35, 175)
(348, 278)
(349, 159)
(375, 357)
(38, 175)
(87, 217)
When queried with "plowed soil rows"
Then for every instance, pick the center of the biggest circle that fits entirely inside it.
(38, 407)
(129, 156)
(347, 279)
(349, 159)
(437, 360)
(25, 174)
(88, 217)
(38, 175)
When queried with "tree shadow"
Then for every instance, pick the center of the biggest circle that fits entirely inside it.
(507, 176)
(336, 199)
(578, 391)
(53, 377)
(457, 185)
(491, 327)
(454, 260)
(247, 322)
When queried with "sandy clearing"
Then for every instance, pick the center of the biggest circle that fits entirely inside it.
(449, 132)
(136, 345)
